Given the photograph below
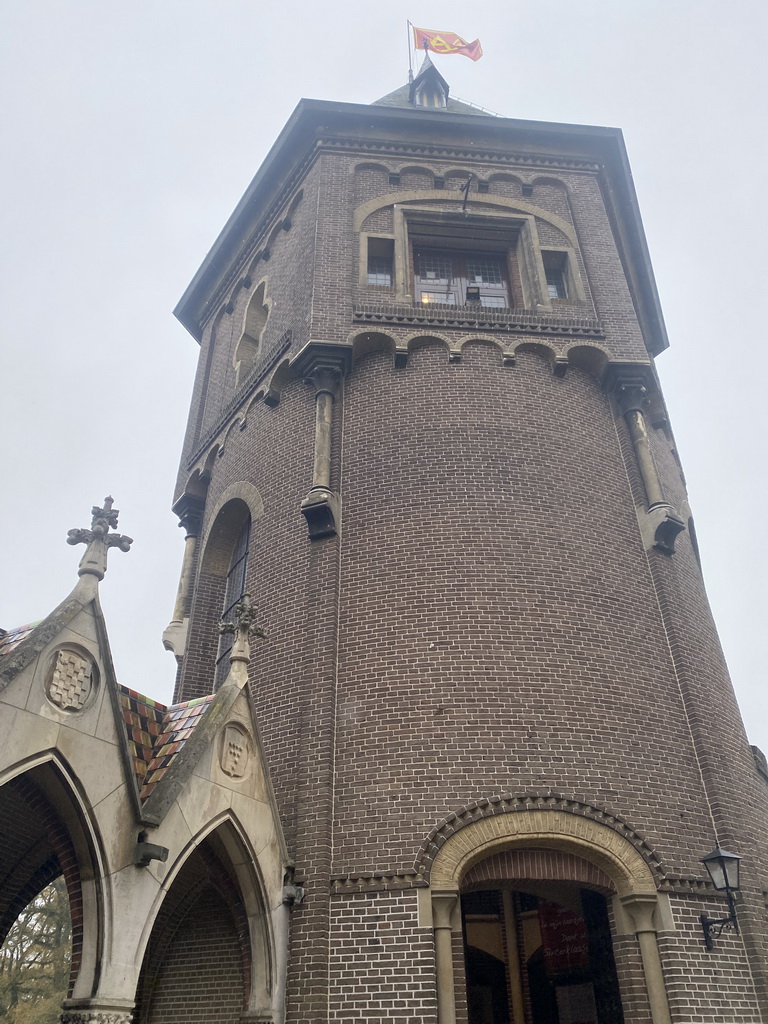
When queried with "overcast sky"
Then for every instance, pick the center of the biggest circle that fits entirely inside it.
(131, 130)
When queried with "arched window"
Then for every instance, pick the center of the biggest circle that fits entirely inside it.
(235, 588)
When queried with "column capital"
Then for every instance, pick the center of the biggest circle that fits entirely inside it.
(631, 384)
(443, 906)
(323, 366)
(189, 509)
(641, 907)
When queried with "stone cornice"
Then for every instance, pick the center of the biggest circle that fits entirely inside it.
(454, 153)
(482, 320)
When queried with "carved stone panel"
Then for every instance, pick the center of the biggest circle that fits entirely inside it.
(235, 752)
(71, 679)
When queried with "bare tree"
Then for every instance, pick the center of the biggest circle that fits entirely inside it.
(35, 959)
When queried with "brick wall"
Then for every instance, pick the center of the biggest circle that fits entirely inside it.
(489, 620)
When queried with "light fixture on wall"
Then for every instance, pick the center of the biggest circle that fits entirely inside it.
(723, 869)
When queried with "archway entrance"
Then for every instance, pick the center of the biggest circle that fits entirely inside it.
(539, 953)
(549, 852)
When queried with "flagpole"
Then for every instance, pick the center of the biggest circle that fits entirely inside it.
(408, 28)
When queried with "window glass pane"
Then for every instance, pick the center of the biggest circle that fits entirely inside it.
(442, 298)
(555, 283)
(484, 270)
(497, 301)
(380, 271)
(434, 267)
(381, 252)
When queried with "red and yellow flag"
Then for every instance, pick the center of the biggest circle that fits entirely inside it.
(445, 42)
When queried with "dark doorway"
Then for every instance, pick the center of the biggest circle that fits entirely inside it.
(542, 957)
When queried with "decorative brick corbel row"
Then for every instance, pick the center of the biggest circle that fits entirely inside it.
(661, 522)
(323, 367)
(377, 881)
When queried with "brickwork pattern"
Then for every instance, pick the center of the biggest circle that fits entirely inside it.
(467, 660)
(201, 976)
(382, 963)
(198, 960)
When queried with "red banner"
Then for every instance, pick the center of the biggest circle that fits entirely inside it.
(564, 937)
(445, 42)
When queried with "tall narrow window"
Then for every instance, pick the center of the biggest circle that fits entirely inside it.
(235, 588)
(380, 261)
(555, 269)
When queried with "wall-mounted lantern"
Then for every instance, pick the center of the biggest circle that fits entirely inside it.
(723, 869)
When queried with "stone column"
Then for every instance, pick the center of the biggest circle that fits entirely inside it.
(443, 905)
(190, 512)
(323, 367)
(661, 523)
(640, 909)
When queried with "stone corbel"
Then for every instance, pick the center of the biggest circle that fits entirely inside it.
(323, 368)
(189, 509)
(660, 523)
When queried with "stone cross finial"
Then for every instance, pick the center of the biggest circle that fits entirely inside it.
(99, 540)
(243, 628)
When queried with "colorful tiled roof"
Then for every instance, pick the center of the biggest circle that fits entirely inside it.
(157, 733)
(11, 638)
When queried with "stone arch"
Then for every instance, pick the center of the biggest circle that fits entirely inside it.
(469, 340)
(287, 222)
(364, 210)
(489, 828)
(369, 165)
(513, 179)
(282, 375)
(238, 423)
(550, 180)
(421, 339)
(255, 320)
(460, 173)
(593, 359)
(233, 505)
(364, 343)
(213, 886)
(258, 397)
(416, 174)
(542, 350)
(47, 833)
(549, 829)
(506, 807)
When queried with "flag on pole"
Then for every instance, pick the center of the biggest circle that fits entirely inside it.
(445, 42)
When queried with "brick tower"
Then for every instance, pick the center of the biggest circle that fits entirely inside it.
(427, 437)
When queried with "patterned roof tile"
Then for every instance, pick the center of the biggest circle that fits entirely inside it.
(157, 733)
(11, 638)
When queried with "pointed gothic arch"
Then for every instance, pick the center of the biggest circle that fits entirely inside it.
(209, 935)
(48, 833)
